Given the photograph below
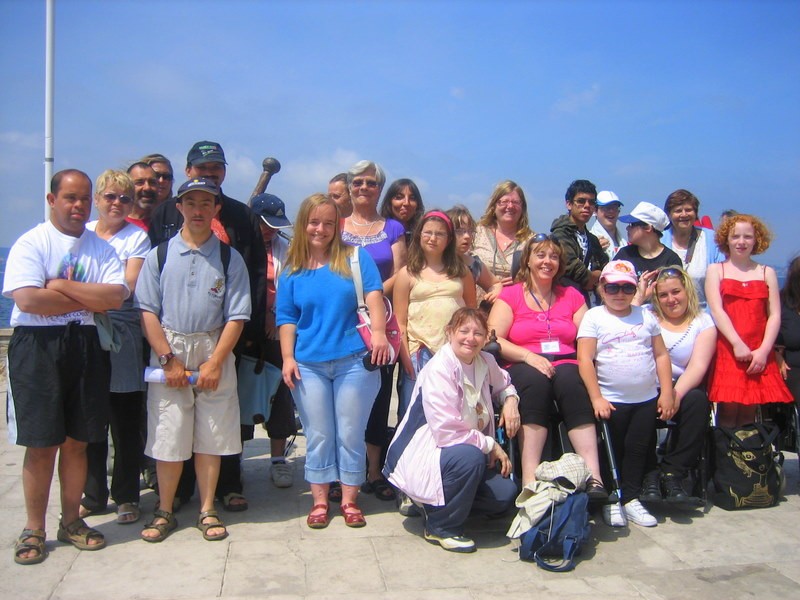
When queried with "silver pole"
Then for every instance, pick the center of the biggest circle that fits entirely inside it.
(49, 88)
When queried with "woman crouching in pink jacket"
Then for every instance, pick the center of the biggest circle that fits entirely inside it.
(444, 455)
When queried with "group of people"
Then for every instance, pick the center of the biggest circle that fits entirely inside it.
(589, 327)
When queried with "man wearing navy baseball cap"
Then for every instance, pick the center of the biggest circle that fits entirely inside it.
(237, 226)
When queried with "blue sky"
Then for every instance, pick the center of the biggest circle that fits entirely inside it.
(640, 97)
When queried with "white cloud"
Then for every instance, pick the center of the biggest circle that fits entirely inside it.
(29, 141)
(576, 101)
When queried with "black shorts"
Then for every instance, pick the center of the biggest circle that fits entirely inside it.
(58, 382)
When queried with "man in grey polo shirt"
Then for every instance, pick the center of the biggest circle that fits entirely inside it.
(194, 306)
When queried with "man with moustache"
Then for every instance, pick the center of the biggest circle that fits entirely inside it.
(237, 226)
(59, 275)
(162, 167)
(583, 254)
(144, 194)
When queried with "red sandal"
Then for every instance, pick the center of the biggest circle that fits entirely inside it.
(318, 521)
(353, 517)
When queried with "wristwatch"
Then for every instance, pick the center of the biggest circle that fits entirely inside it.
(163, 359)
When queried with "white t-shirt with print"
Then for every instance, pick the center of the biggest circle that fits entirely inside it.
(44, 253)
(626, 368)
(129, 242)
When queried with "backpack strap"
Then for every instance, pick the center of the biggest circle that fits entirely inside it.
(224, 255)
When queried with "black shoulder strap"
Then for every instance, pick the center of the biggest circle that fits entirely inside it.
(224, 255)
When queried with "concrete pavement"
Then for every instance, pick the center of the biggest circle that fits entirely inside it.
(271, 553)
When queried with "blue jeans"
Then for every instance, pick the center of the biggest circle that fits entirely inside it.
(418, 359)
(334, 399)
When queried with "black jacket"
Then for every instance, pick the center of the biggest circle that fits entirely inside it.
(578, 265)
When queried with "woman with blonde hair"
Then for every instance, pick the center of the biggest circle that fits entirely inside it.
(323, 354)
(503, 229)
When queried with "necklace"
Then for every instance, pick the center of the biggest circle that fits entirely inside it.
(370, 223)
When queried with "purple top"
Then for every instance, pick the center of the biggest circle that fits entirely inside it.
(379, 245)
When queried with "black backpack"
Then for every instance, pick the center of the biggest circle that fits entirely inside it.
(558, 535)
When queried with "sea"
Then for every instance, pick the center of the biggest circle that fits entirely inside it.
(6, 304)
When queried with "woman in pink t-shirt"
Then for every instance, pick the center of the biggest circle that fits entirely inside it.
(536, 322)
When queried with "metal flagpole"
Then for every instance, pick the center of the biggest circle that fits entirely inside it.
(48, 100)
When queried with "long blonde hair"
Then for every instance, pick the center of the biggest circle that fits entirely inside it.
(298, 256)
(489, 218)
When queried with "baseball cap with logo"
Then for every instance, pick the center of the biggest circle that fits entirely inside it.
(271, 209)
(201, 184)
(619, 271)
(607, 197)
(205, 152)
(644, 212)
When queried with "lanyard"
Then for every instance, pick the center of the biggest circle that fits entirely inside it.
(541, 309)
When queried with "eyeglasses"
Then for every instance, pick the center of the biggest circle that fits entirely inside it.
(613, 207)
(614, 288)
(583, 201)
(439, 235)
(370, 183)
(465, 231)
(111, 197)
(509, 204)
(164, 176)
(637, 224)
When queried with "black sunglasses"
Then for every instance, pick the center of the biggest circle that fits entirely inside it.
(614, 288)
(111, 197)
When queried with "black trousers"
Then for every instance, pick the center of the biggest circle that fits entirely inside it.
(126, 412)
(633, 435)
(691, 423)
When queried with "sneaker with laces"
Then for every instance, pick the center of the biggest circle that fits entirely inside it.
(282, 474)
(638, 514)
(612, 515)
(457, 543)
(406, 506)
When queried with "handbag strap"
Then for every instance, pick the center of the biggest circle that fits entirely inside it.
(355, 267)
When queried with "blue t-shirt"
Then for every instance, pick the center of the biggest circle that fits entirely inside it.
(322, 304)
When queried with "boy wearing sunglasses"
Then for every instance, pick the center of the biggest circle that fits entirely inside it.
(646, 225)
(626, 368)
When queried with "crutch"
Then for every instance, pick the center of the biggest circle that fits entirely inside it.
(612, 463)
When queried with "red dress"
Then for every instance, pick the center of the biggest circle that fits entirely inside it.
(746, 304)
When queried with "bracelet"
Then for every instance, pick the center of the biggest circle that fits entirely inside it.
(525, 358)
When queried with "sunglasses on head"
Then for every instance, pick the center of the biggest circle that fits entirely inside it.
(540, 237)
(614, 288)
(669, 273)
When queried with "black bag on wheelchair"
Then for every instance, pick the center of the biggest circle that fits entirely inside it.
(558, 535)
(748, 470)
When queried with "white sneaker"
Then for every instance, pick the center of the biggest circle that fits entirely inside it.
(282, 474)
(452, 544)
(638, 514)
(612, 515)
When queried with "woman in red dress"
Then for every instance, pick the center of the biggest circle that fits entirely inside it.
(744, 300)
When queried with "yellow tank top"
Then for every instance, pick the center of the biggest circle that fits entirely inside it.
(430, 306)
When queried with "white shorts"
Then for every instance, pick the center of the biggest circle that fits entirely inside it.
(185, 420)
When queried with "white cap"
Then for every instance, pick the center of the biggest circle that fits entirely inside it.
(607, 197)
(647, 213)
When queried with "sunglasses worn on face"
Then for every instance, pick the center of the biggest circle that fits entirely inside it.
(164, 176)
(614, 288)
(123, 199)
(370, 183)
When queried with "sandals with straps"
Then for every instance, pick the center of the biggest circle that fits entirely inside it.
(23, 545)
(204, 527)
(78, 533)
(164, 529)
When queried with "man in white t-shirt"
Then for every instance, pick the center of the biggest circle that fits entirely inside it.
(59, 275)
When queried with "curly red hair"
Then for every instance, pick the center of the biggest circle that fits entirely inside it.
(763, 237)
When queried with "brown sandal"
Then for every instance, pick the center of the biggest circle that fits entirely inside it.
(164, 529)
(23, 545)
(204, 527)
(353, 517)
(319, 521)
(78, 533)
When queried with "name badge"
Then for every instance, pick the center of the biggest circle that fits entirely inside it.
(551, 347)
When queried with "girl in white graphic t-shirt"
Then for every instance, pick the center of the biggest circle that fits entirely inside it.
(623, 362)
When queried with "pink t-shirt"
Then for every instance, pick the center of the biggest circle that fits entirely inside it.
(529, 328)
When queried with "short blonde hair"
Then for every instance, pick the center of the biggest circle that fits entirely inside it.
(109, 178)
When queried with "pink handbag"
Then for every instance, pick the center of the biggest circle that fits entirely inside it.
(364, 323)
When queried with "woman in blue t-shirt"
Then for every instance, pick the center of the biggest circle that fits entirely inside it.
(323, 353)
